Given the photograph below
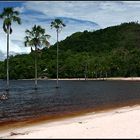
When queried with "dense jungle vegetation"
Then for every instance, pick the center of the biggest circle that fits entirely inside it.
(112, 52)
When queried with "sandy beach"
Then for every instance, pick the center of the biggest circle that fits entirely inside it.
(108, 78)
(123, 122)
(117, 123)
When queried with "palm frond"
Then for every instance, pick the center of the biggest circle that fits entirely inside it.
(16, 19)
(36, 36)
(10, 30)
(16, 13)
(57, 24)
(1, 15)
(9, 15)
(47, 36)
(4, 28)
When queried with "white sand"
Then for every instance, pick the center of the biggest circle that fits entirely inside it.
(109, 78)
(118, 123)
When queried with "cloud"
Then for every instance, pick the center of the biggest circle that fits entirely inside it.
(105, 13)
(72, 26)
(18, 34)
(77, 15)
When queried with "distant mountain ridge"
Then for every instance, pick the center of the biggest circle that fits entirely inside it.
(126, 35)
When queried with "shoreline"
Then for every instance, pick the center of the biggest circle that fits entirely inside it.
(102, 79)
(36, 123)
(17, 130)
(122, 122)
(94, 79)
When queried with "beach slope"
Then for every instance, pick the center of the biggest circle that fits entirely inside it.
(118, 123)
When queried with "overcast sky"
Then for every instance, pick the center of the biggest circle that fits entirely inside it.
(77, 15)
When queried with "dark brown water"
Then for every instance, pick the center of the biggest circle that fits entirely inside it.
(72, 96)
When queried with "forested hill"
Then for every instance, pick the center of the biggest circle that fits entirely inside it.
(113, 51)
(126, 35)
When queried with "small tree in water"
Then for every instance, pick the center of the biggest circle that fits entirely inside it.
(58, 25)
(36, 38)
(9, 15)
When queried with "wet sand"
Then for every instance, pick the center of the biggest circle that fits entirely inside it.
(17, 129)
(8, 127)
(117, 123)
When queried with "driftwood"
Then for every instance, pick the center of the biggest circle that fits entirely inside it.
(16, 133)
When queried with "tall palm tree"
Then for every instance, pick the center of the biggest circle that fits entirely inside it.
(9, 15)
(58, 25)
(36, 38)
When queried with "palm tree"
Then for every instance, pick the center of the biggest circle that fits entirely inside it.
(36, 38)
(58, 25)
(9, 15)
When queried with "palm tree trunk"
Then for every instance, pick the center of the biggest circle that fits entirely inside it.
(35, 67)
(57, 58)
(106, 75)
(7, 59)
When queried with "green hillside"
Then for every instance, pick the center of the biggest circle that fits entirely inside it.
(113, 51)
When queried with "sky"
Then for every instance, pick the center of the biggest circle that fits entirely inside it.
(77, 15)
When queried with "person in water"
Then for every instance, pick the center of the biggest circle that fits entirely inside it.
(3, 97)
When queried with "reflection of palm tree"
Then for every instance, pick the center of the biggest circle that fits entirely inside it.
(36, 38)
(9, 15)
(58, 25)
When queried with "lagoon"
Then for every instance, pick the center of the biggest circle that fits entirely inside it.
(72, 97)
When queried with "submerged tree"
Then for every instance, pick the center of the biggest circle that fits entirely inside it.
(9, 15)
(58, 25)
(37, 38)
